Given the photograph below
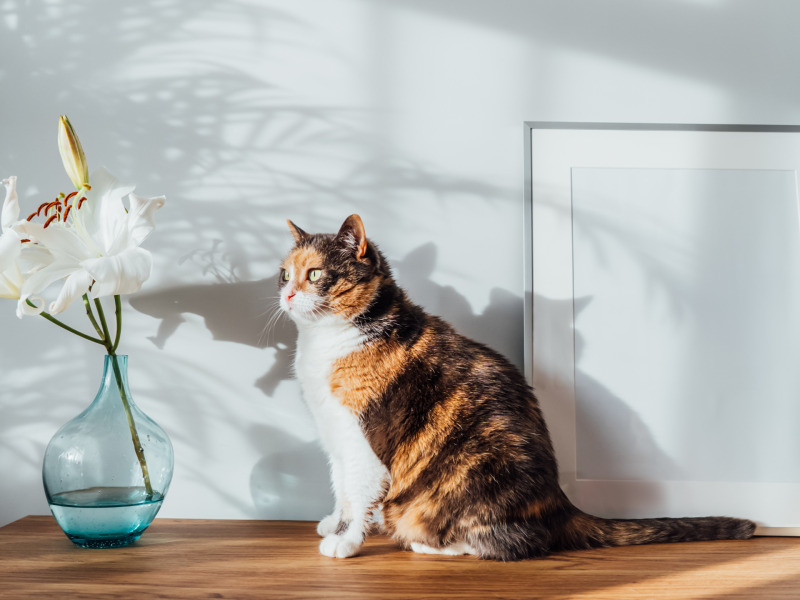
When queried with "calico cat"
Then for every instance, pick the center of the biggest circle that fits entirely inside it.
(439, 432)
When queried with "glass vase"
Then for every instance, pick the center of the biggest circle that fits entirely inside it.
(106, 472)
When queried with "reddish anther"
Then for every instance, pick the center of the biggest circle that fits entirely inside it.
(66, 212)
(69, 196)
(23, 241)
(41, 206)
(81, 202)
(50, 220)
(32, 215)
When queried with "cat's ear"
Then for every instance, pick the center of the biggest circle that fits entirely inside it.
(351, 235)
(298, 234)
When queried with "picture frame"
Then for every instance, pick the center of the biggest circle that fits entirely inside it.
(563, 161)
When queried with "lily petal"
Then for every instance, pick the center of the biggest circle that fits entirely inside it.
(62, 241)
(103, 214)
(7, 289)
(44, 277)
(10, 204)
(121, 274)
(75, 286)
(36, 256)
(140, 222)
(24, 309)
(10, 249)
(11, 281)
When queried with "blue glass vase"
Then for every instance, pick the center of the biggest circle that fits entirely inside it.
(106, 472)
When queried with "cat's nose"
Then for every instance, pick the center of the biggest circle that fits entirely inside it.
(290, 295)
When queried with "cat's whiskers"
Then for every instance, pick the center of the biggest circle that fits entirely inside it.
(276, 313)
(272, 307)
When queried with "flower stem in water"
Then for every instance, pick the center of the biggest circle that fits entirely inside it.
(137, 445)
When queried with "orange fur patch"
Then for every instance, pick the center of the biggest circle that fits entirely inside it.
(362, 376)
(350, 300)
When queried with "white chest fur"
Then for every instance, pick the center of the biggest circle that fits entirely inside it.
(319, 345)
(358, 476)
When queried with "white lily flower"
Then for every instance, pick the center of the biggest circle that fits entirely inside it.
(95, 243)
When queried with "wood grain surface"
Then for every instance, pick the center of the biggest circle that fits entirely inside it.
(179, 558)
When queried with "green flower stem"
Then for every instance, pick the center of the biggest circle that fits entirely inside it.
(137, 444)
(90, 314)
(52, 319)
(118, 311)
(102, 317)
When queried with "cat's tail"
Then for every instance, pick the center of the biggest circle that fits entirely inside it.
(586, 531)
(558, 525)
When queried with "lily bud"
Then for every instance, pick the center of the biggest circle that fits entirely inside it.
(72, 154)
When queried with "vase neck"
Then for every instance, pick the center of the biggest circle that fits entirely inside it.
(116, 367)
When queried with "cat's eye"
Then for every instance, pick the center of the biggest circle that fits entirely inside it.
(285, 275)
(314, 274)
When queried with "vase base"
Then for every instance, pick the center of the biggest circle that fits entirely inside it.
(117, 541)
(105, 517)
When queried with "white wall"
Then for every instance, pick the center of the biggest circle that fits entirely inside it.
(245, 113)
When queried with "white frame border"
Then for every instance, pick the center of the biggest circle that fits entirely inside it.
(529, 127)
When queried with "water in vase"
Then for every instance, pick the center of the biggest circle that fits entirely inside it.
(105, 517)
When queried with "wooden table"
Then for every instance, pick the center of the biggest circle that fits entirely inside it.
(179, 558)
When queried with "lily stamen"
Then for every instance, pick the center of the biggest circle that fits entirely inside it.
(69, 196)
(81, 202)
(66, 212)
(41, 206)
(50, 220)
(32, 215)
(23, 241)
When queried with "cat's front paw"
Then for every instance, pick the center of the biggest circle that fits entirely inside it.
(336, 546)
(328, 525)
